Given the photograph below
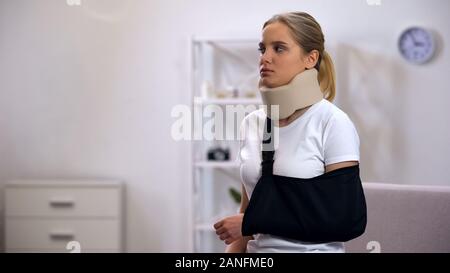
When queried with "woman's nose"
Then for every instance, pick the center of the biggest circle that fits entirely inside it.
(266, 57)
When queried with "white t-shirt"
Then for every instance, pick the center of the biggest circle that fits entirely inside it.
(323, 135)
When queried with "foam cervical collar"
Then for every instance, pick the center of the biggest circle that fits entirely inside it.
(302, 91)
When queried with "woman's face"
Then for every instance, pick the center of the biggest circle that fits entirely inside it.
(281, 57)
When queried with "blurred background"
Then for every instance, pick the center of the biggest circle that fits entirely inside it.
(87, 89)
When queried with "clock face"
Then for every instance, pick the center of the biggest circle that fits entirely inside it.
(416, 45)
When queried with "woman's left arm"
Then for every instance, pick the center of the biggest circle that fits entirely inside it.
(339, 165)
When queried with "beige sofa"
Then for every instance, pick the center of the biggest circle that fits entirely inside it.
(405, 218)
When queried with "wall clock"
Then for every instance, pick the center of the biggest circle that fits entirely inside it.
(417, 45)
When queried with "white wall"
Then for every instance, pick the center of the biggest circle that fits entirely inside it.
(87, 92)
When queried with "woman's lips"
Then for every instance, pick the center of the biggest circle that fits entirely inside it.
(265, 72)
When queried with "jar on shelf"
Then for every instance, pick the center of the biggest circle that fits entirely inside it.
(207, 90)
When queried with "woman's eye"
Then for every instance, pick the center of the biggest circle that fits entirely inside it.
(262, 50)
(278, 49)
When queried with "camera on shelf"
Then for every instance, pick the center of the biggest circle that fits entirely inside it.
(218, 154)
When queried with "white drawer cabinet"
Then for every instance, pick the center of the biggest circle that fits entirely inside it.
(44, 215)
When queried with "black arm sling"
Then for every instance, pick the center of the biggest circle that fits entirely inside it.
(326, 208)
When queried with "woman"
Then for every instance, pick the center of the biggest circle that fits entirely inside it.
(315, 137)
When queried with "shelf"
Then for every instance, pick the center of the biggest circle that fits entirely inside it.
(217, 164)
(204, 227)
(229, 101)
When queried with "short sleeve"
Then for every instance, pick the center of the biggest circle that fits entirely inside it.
(341, 140)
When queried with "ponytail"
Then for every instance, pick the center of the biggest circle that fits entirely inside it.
(327, 77)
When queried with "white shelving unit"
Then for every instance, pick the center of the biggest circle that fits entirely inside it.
(224, 73)
(213, 164)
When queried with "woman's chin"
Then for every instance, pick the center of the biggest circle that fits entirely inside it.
(264, 81)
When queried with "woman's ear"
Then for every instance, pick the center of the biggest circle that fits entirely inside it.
(312, 58)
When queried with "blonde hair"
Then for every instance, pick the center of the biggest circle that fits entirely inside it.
(308, 34)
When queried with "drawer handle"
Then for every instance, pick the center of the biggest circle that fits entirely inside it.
(60, 202)
(62, 235)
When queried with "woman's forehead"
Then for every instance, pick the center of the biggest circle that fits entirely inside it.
(276, 32)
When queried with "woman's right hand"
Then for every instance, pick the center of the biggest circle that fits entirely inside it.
(239, 245)
(229, 228)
